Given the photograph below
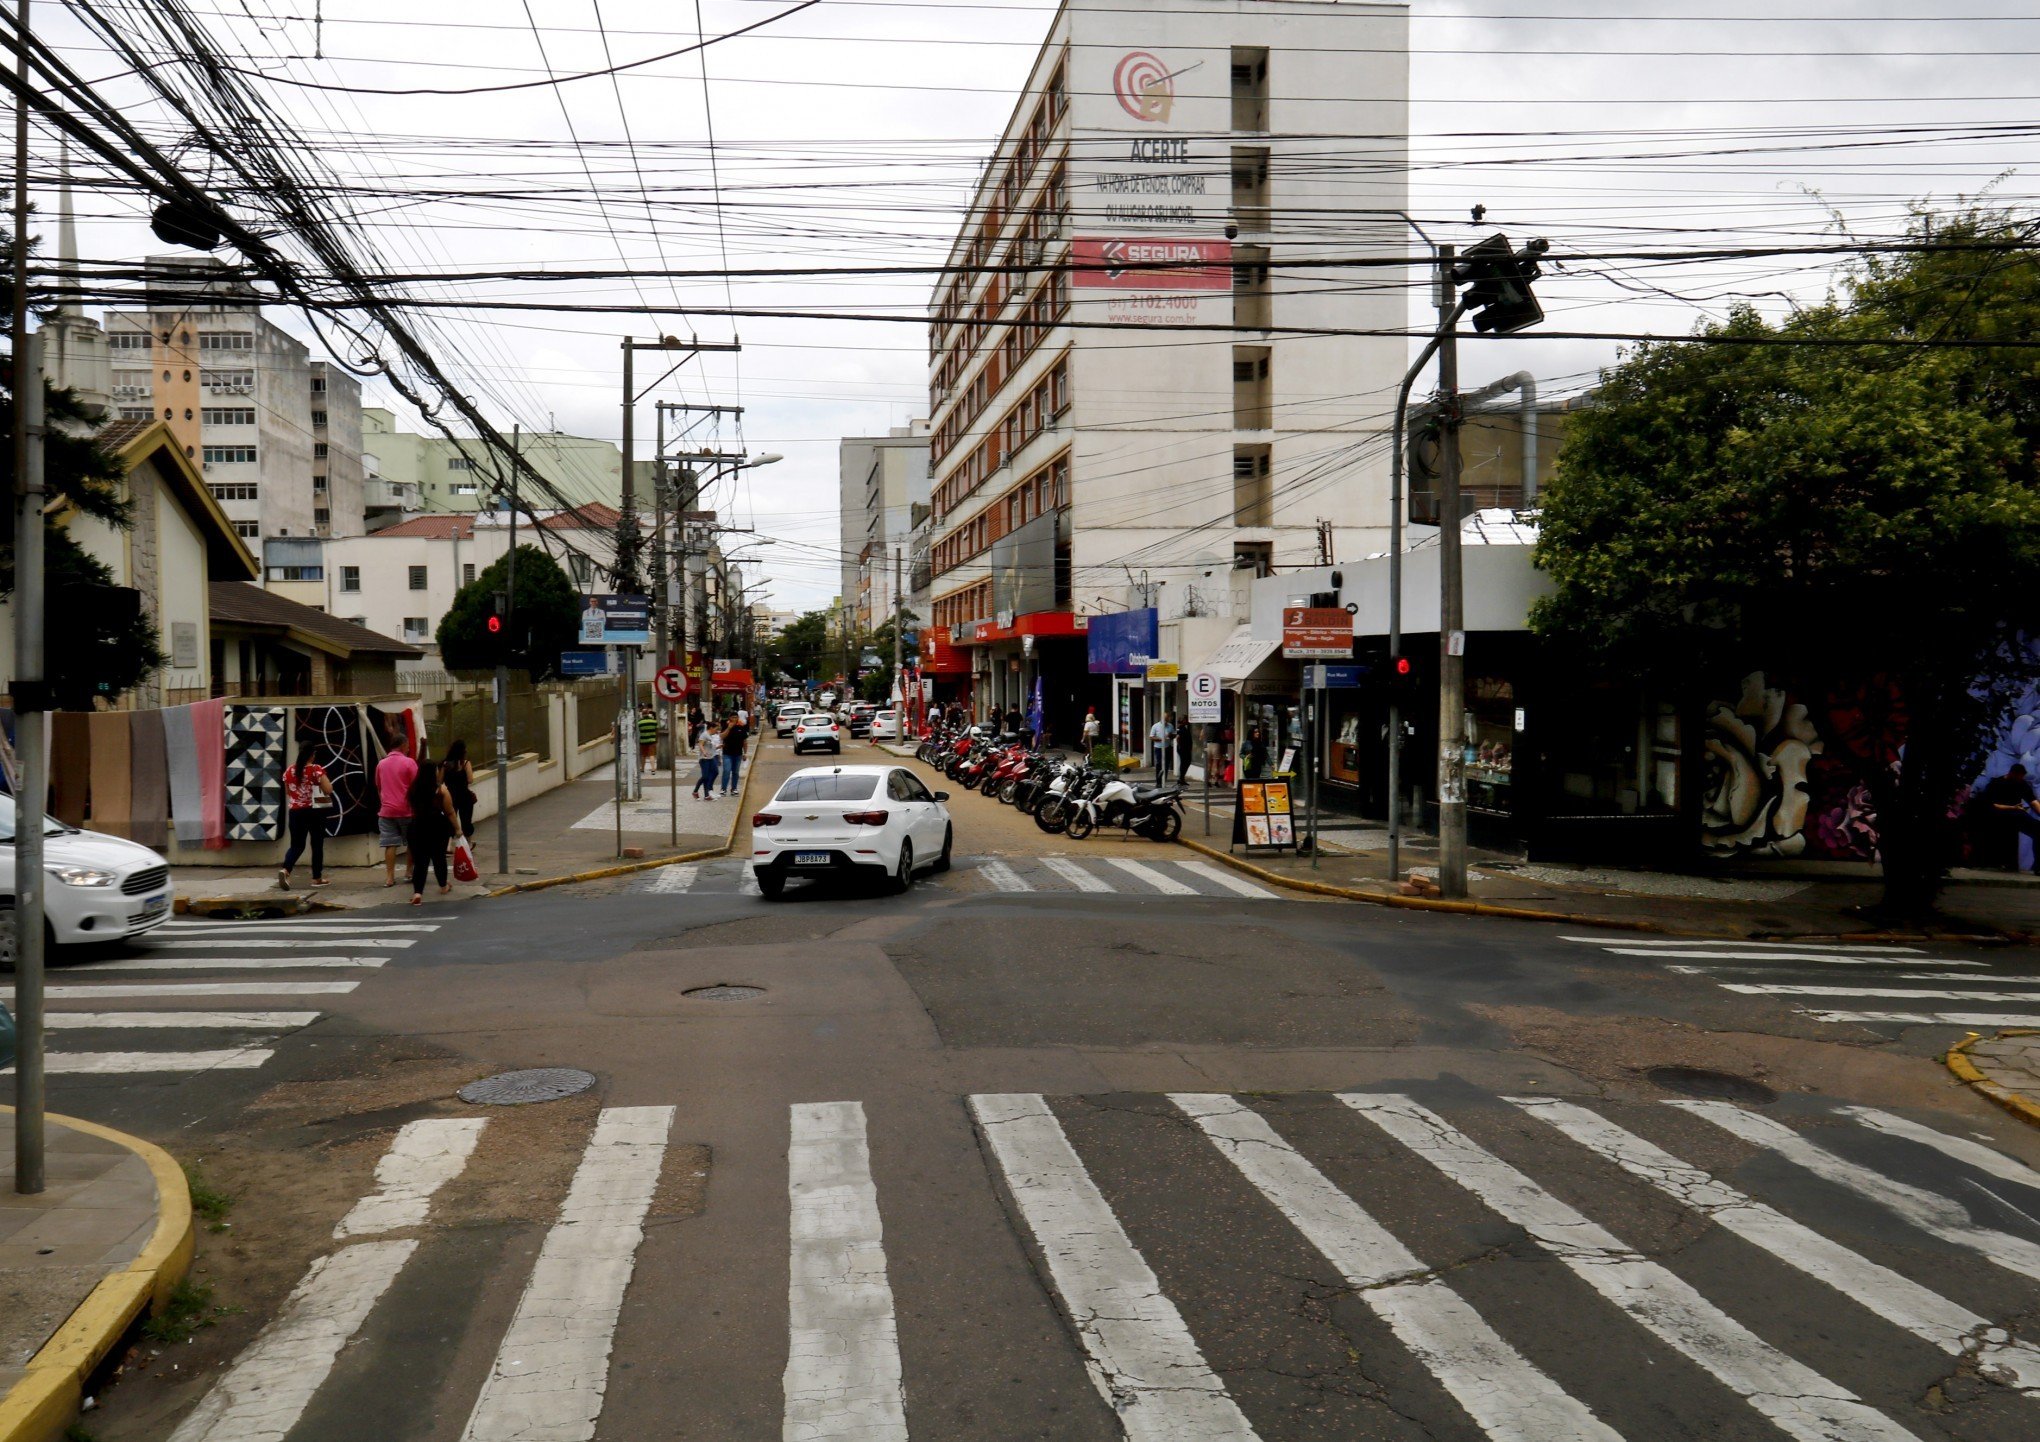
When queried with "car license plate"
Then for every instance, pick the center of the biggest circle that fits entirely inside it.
(811, 858)
(155, 904)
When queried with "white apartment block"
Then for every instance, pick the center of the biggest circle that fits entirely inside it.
(1171, 164)
(884, 480)
(276, 435)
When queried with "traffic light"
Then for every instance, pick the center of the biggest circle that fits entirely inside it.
(1497, 279)
(498, 644)
(1401, 679)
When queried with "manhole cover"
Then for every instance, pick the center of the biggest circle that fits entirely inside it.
(724, 992)
(1694, 1081)
(520, 1088)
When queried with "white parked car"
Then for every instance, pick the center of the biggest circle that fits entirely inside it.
(788, 714)
(885, 726)
(875, 821)
(98, 888)
(817, 730)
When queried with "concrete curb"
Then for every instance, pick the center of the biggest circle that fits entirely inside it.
(624, 868)
(2025, 1108)
(46, 1400)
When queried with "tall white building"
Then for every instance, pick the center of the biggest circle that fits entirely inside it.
(884, 478)
(1134, 425)
(276, 435)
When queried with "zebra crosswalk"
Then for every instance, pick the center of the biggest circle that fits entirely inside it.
(1459, 1231)
(1838, 982)
(185, 1022)
(1092, 875)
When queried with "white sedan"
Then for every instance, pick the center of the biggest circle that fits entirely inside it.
(818, 730)
(885, 726)
(839, 821)
(789, 716)
(98, 887)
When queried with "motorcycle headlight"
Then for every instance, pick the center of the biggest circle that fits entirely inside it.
(81, 875)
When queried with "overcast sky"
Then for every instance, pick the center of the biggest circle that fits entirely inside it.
(850, 133)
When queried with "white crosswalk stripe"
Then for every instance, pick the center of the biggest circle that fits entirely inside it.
(1089, 875)
(673, 880)
(252, 960)
(1788, 989)
(1930, 1018)
(1962, 1149)
(423, 1156)
(1153, 876)
(1141, 1356)
(1899, 1300)
(1004, 877)
(1499, 1389)
(1938, 1215)
(1799, 1401)
(1220, 877)
(1074, 874)
(1758, 946)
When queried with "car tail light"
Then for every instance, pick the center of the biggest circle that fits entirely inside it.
(865, 818)
(765, 818)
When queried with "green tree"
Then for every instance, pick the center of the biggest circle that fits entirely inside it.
(798, 650)
(1854, 516)
(94, 647)
(546, 618)
(878, 685)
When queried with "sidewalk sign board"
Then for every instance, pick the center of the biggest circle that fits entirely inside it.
(1317, 632)
(1205, 703)
(584, 663)
(1333, 678)
(609, 620)
(1263, 818)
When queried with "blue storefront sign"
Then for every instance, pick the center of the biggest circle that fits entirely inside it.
(608, 620)
(1333, 678)
(584, 663)
(1123, 642)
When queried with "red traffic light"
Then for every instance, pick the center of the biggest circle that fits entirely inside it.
(1403, 666)
(495, 625)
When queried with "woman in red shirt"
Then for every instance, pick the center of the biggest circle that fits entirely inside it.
(308, 801)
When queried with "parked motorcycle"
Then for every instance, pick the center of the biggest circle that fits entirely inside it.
(1155, 812)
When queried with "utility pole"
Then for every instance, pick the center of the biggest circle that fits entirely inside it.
(509, 610)
(659, 628)
(1451, 598)
(899, 681)
(28, 681)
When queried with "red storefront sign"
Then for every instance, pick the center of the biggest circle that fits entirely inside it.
(734, 680)
(1317, 631)
(939, 657)
(1150, 263)
(1034, 623)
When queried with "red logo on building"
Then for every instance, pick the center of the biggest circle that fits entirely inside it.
(1158, 264)
(1145, 86)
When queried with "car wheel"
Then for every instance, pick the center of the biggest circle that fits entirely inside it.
(903, 874)
(948, 840)
(771, 884)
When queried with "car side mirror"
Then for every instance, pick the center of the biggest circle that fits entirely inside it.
(942, 796)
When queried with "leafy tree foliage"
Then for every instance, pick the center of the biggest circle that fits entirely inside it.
(546, 618)
(1845, 513)
(800, 649)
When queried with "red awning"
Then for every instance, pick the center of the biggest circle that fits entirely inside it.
(1034, 623)
(939, 657)
(735, 681)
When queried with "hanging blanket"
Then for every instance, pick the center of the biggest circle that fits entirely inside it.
(149, 809)
(111, 777)
(180, 762)
(254, 772)
(70, 765)
(333, 737)
(209, 745)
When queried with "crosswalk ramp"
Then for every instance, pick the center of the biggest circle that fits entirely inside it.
(1424, 1261)
(1871, 985)
(201, 994)
(1089, 875)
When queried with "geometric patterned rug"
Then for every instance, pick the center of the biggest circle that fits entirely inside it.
(254, 776)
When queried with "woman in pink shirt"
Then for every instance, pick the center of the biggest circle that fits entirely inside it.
(393, 777)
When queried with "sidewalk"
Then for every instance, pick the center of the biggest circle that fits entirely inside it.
(2005, 1068)
(566, 831)
(109, 1237)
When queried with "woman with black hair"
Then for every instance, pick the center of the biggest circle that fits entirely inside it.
(433, 820)
(459, 774)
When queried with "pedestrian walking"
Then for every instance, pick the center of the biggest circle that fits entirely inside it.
(308, 801)
(1253, 754)
(393, 777)
(2011, 796)
(1158, 748)
(432, 826)
(648, 740)
(733, 755)
(1183, 745)
(459, 775)
(1091, 728)
(708, 752)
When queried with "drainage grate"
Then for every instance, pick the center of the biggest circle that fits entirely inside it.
(521, 1088)
(724, 991)
(1721, 1086)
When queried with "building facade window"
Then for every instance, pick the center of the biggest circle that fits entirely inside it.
(222, 383)
(322, 517)
(137, 413)
(414, 628)
(463, 488)
(350, 578)
(297, 573)
(228, 455)
(128, 340)
(247, 530)
(227, 415)
(318, 418)
(239, 491)
(318, 450)
(417, 578)
(225, 340)
(318, 385)
(467, 573)
(459, 463)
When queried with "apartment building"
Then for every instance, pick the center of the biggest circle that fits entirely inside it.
(432, 473)
(884, 482)
(276, 435)
(1137, 424)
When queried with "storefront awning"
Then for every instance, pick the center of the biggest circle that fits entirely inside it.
(1239, 656)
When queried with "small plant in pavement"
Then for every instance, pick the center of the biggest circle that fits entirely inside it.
(210, 1204)
(190, 1310)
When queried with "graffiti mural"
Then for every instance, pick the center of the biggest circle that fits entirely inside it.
(1758, 750)
(331, 736)
(2017, 744)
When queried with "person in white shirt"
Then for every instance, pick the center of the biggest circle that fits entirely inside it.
(1158, 747)
(708, 751)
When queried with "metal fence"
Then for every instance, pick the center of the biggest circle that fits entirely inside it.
(466, 711)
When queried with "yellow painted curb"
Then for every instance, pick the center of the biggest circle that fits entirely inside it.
(45, 1401)
(1418, 903)
(626, 867)
(2017, 1103)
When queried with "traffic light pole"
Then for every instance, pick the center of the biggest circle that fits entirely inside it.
(1451, 601)
(509, 611)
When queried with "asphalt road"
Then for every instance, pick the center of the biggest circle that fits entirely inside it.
(1076, 1142)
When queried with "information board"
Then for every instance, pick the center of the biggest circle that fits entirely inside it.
(1262, 816)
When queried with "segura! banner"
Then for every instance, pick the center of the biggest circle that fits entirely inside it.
(1138, 280)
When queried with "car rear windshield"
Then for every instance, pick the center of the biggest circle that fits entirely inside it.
(828, 788)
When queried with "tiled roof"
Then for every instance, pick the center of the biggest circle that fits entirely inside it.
(436, 527)
(115, 434)
(250, 605)
(592, 517)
